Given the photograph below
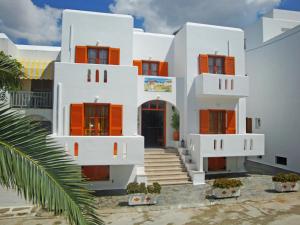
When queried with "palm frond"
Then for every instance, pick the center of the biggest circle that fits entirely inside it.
(10, 72)
(41, 171)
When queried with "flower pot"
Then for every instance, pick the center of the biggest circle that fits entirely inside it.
(286, 186)
(142, 199)
(226, 192)
(176, 135)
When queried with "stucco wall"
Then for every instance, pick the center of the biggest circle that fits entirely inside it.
(274, 97)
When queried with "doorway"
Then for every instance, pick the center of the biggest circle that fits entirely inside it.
(154, 124)
(217, 164)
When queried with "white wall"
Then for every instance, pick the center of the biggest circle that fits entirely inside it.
(206, 39)
(88, 28)
(121, 88)
(157, 47)
(273, 69)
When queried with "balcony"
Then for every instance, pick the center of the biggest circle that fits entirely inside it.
(29, 99)
(221, 85)
(226, 145)
(156, 87)
(104, 150)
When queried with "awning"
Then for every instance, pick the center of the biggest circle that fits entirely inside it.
(37, 69)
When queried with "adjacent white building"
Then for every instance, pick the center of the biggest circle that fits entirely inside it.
(274, 101)
(115, 89)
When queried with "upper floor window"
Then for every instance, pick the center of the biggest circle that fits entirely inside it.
(150, 68)
(97, 55)
(216, 64)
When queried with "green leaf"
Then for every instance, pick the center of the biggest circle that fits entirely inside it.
(41, 171)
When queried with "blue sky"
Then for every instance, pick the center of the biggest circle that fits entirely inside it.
(163, 16)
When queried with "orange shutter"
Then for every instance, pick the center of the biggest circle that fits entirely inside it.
(114, 56)
(163, 69)
(81, 54)
(116, 120)
(96, 173)
(231, 123)
(139, 64)
(203, 64)
(76, 120)
(230, 65)
(204, 121)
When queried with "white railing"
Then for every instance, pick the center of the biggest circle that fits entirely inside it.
(104, 150)
(29, 99)
(227, 145)
(227, 85)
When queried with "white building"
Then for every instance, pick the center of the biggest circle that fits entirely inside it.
(274, 101)
(116, 87)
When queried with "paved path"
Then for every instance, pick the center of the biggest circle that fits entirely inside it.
(283, 209)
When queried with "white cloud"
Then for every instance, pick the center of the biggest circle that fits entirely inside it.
(23, 19)
(165, 16)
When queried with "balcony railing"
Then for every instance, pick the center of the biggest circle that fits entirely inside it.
(227, 145)
(29, 99)
(222, 85)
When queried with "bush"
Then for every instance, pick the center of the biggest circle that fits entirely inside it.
(134, 187)
(286, 177)
(227, 183)
(157, 187)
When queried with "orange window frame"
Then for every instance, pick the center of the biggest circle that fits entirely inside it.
(98, 53)
(149, 72)
(215, 70)
(96, 131)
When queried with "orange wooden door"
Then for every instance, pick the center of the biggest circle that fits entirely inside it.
(217, 164)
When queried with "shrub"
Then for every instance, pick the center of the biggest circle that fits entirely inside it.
(134, 187)
(286, 177)
(157, 187)
(227, 183)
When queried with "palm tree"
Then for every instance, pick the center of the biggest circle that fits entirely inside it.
(32, 163)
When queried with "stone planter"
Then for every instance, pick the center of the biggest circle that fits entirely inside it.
(226, 192)
(286, 187)
(142, 199)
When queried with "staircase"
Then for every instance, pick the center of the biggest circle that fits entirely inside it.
(165, 167)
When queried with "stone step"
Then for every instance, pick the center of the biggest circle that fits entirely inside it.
(165, 169)
(161, 160)
(168, 177)
(164, 172)
(163, 164)
(161, 156)
(160, 153)
(171, 182)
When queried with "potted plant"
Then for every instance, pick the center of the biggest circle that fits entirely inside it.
(139, 194)
(175, 125)
(285, 182)
(226, 188)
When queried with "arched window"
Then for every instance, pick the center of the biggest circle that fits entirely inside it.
(76, 149)
(105, 76)
(97, 76)
(89, 76)
(115, 153)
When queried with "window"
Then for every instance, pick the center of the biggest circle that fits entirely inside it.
(97, 55)
(96, 119)
(217, 122)
(96, 173)
(150, 68)
(257, 123)
(281, 160)
(105, 76)
(216, 64)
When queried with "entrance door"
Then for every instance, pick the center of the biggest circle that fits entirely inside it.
(153, 123)
(217, 164)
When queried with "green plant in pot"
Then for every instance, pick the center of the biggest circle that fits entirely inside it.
(286, 182)
(140, 194)
(175, 125)
(226, 188)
